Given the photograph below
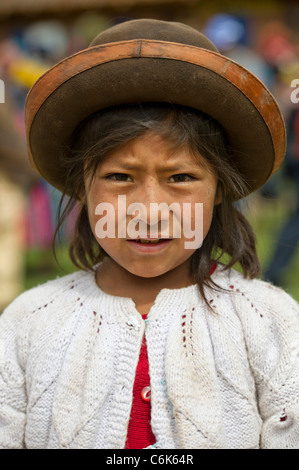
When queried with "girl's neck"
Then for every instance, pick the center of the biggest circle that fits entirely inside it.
(115, 280)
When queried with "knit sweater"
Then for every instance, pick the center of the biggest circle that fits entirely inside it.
(221, 377)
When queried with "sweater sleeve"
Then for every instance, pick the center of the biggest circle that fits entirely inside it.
(271, 326)
(12, 378)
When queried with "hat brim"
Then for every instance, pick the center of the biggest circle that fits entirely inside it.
(154, 71)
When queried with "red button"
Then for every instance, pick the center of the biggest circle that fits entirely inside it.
(146, 393)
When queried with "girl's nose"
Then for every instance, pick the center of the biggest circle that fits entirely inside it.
(150, 191)
(151, 201)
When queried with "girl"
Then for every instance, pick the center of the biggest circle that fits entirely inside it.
(154, 343)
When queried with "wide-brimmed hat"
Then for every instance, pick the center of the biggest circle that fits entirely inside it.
(149, 60)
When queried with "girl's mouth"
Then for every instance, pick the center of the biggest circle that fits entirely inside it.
(149, 244)
(150, 240)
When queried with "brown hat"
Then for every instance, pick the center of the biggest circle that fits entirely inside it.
(154, 61)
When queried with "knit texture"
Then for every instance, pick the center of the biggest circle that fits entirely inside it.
(221, 377)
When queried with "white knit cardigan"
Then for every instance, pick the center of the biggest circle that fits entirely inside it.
(225, 377)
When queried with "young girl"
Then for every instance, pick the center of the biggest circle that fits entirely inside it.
(155, 342)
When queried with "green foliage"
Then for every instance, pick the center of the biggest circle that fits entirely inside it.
(267, 218)
(42, 266)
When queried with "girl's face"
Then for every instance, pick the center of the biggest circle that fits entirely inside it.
(145, 171)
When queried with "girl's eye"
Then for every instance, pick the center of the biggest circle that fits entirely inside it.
(181, 178)
(118, 177)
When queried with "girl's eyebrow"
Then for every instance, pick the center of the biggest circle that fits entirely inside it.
(184, 166)
(160, 168)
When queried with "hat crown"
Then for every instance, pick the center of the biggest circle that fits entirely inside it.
(157, 30)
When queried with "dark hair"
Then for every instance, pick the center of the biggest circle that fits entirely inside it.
(230, 233)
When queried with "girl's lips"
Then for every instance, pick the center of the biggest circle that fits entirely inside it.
(149, 247)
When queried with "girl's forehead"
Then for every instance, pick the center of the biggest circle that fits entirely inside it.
(153, 148)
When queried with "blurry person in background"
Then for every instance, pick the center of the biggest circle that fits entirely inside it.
(233, 36)
(288, 238)
(16, 177)
(16, 174)
(279, 50)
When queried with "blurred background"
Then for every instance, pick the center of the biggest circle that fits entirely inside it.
(263, 36)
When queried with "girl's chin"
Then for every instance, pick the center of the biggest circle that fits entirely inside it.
(147, 273)
(152, 270)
